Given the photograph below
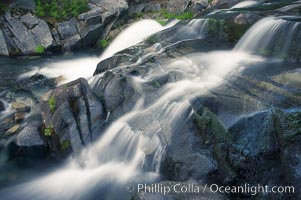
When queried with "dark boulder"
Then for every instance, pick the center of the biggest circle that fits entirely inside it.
(67, 29)
(89, 35)
(92, 17)
(198, 5)
(289, 130)
(187, 154)
(256, 133)
(30, 136)
(73, 43)
(177, 6)
(28, 33)
(118, 93)
(264, 149)
(71, 116)
(111, 63)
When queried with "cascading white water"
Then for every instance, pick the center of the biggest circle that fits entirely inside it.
(244, 4)
(72, 69)
(195, 29)
(67, 70)
(7, 110)
(268, 31)
(119, 156)
(131, 36)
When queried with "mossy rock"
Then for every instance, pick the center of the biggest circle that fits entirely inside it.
(288, 125)
(209, 127)
(226, 29)
(220, 152)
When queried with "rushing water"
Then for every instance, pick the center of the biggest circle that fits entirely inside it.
(271, 35)
(102, 170)
(71, 69)
(131, 36)
(244, 4)
(195, 29)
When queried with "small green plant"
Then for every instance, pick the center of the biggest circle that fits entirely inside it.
(162, 22)
(48, 132)
(180, 16)
(185, 15)
(153, 39)
(138, 15)
(17, 51)
(51, 103)
(60, 9)
(39, 49)
(104, 43)
(65, 145)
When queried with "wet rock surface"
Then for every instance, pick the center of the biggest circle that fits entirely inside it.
(24, 32)
(27, 34)
(207, 147)
(244, 130)
(105, 17)
(71, 115)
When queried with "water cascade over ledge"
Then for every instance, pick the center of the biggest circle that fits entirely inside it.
(272, 36)
(132, 147)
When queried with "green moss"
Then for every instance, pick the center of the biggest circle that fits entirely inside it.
(48, 132)
(153, 39)
(51, 103)
(137, 15)
(66, 144)
(213, 24)
(224, 166)
(60, 9)
(209, 127)
(289, 123)
(235, 31)
(180, 16)
(226, 29)
(39, 49)
(163, 22)
(104, 43)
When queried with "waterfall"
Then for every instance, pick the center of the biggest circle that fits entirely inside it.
(132, 148)
(72, 69)
(135, 34)
(195, 29)
(270, 36)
